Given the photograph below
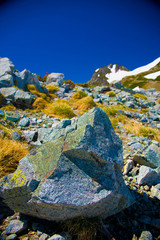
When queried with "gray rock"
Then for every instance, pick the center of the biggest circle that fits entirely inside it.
(74, 175)
(16, 226)
(24, 122)
(44, 236)
(64, 123)
(150, 156)
(155, 223)
(16, 136)
(30, 135)
(146, 235)
(137, 146)
(101, 89)
(128, 166)
(155, 191)
(18, 97)
(6, 66)
(11, 237)
(56, 237)
(56, 78)
(148, 176)
(2, 113)
(130, 104)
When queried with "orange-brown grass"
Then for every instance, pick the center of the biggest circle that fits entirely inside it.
(52, 88)
(11, 152)
(158, 100)
(8, 107)
(138, 129)
(84, 104)
(39, 104)
(60, 108)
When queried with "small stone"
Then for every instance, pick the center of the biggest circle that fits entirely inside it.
(24, 122)
(44, 236)
(16, 226)
(57, 237)
(16, 136)
(148, 176)
(11, 237)
(128, 166)
(1, 113)
(146, 188)
(146, 235)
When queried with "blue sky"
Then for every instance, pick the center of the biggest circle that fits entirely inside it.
(77, 37)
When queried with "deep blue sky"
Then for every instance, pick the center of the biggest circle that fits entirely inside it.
(76, 37)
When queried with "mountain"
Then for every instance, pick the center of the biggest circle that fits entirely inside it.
(147, 76)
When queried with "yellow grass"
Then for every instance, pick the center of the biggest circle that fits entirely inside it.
(39, 104)
(52, 88)
(138, 95)
(8, 107)
(79, 95)
(158, 100)
(11, 152)
(138, 129)
(84, 104)
(60, 108)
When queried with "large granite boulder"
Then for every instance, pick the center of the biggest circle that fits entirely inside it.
(6, 71)
(10, 77)
(18, 97)
(25, 78)
(55, 78)
(77, 174)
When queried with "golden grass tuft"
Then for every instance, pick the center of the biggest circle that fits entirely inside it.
(158, 100)
(84, 104)
(39, 104)
(111, 94)
(138, 129)
(8, 107)
(52, 88)
(79, 95)
(11, 152)
(138, 95)
(60, 108)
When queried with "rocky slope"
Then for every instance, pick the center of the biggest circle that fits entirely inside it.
(84, 153)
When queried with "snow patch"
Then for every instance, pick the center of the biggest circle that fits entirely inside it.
(114, 76)
(153, 75)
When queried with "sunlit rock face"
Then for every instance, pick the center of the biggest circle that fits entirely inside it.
(76, 174)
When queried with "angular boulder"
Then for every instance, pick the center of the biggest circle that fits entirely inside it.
(18, 97)
(6, 71)
(56, 78)
(77, 174)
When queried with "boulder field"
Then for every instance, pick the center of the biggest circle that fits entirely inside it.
(76, 174)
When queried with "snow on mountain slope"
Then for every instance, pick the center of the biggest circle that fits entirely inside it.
(153, 75)
(117, 76)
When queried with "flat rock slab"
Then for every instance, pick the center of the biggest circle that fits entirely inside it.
(76, 174)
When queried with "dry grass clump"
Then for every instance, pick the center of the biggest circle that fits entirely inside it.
(39, 104)
(32, 89)
(60, 108)
(112, 94)
(138, 95)
(84, 104)
(158, 100)
(138, 129)
(52, 88)
(8, 107)
(11, 152)
(79, 95)
(82, 228)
